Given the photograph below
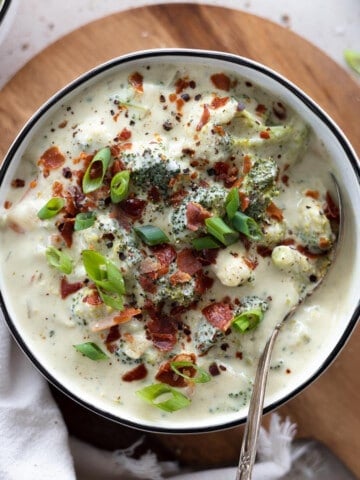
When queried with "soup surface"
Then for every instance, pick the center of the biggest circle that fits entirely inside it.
(159, 225)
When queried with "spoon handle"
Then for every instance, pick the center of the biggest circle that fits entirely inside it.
(249, 442)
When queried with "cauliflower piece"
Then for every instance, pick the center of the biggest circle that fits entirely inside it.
(231, 268)
(92, 134)
(312, 226)
(289, 260)
(273, 233)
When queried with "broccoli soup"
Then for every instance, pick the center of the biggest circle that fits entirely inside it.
(159, 225)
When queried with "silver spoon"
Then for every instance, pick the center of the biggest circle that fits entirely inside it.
(251, 433)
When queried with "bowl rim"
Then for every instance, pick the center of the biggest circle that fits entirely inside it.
(228, 58)
(3, 9)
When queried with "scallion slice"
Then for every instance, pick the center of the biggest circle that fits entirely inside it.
(248, 320)
(220, 230)
(246, 225)
(119, 187)
(91, 350)
(173, 399)
(59, 260)
(201, 375)
(232, 202)
(203, 243)
(95, 172)
(151, 235)
(51, 208)
(84, 220)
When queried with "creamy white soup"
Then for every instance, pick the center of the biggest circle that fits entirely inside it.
(158, 227)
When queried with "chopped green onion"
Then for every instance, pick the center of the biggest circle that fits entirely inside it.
(95, 172)
(248, 320)
(220, 230)
(107, 278)
(352, 58)
(246, 225)
(119, 187)
(202, 243)
(91, 350)
(84, 220)
(152, 394)
(151, 235)
(232, 202)
(200, 377)
(59, 260)
(51, 208)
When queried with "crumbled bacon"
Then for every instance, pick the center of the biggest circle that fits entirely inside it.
(179, 277)
(219, 315)
(219, 102)
(165, 253)
(66, 229)
(226, 172)
(67, 288)
(177, 197)
(244, 201)
(221, 81)
(315, 194)
(124, 135)
(195, 216)
(18, 183)
(187, 261)
(154, 194)
(113, 335)
(202, 282)
(274, 212)
(51, 159)
(136, 81)
(181, 84)
(167, 375)
(331, 210)
(205, 117)
(207, 256)
(133, 207)
(117, 166)
(246, 164)
(93, 298)
(147, 283)
(162, 332)
(264, 251)
(123, 316)
(137, 373)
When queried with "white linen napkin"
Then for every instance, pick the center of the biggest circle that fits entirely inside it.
(35, 444)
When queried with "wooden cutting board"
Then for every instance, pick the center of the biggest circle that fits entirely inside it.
(329, 409)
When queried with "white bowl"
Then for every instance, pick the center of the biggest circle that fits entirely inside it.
(342, 280)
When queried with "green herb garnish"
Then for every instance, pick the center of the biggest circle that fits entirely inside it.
(206, 242)
(95, 172)
(91, 350)
(151, 235)
(246, 225)
(200, 377)
(51, 208)
(58, 259)
(84, 220)
(172, 399)
(220, 230)
(248, 320)
(119, 187)
(232, 203)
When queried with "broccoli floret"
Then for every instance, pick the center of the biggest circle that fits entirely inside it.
(124, 357)
(182, 294)
(260, 187)
(153, 169)
(212, 198)
(251, 302)
(206, 337)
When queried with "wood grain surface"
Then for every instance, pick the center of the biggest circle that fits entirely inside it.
(329, 409)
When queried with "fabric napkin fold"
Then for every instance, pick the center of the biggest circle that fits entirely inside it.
(35, 444)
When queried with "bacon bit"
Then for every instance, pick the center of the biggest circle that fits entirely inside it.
(125, 146)
(187, 261)
(207, 256)
(15, 226)
(305, 251)
(66, 229)
(67, 288)
(57, 189)
(274, 212)
(244, 201)
(165, 253)
(167, 375)
(219, 130)
(93, 298)
(152, 268)
(136, 81)
(221, 81)
(121, 217)
(264, 134)
(179, 104)
(133, 207)
(312, 194)
(124, 135)
(117, 166)
(239, 355)
(147, 283)
(252, 264)
(324, 243)
(288, 241)
(205, 117)
(219, 315)
(285, 180)
(33, 183)
(63, 124)
(219, 102)
(181, 84)
(162, 332)
(179, 277)
(18, 183)
(202, 282)
(280, 110)
(154, 194)
(226, 172)
(51, 159)
(195, 216)
(238, 183)
(331, 210)
(260, 109)
(137, 373)
(7, 204)
(113, 335)
(246, 164)
(264, 251)
(122, 317)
